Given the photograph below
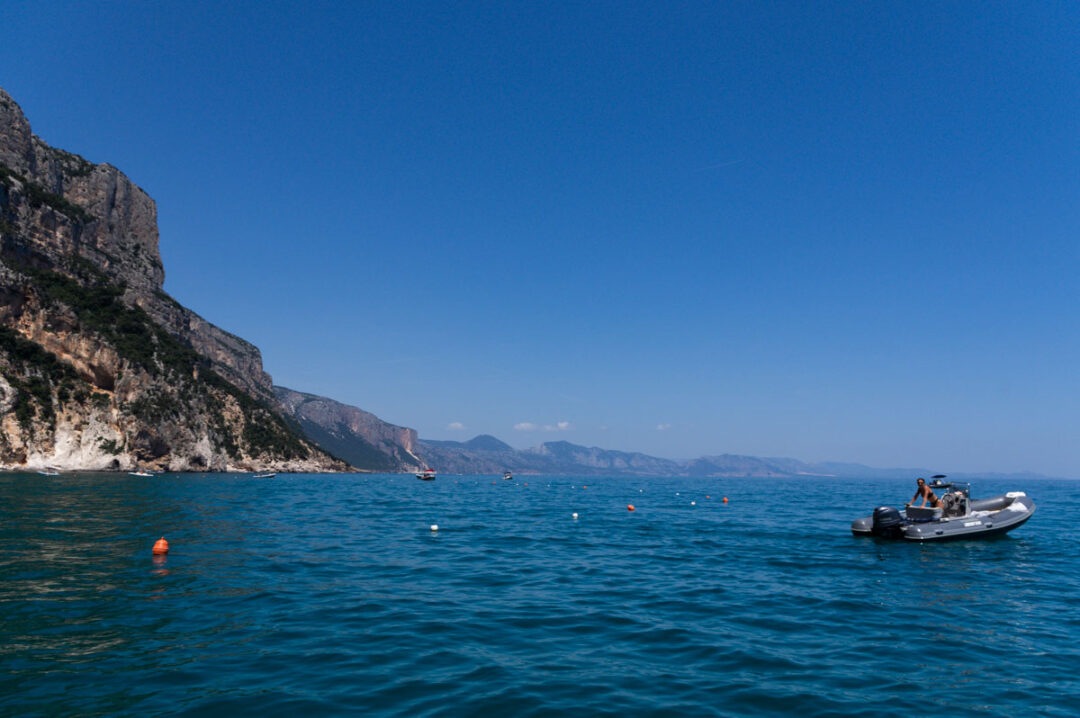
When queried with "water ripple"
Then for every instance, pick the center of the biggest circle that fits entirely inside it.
(323, 595)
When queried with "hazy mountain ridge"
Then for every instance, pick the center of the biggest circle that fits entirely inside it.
(370, 443)
(563, 457)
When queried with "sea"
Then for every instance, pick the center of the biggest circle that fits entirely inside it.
(332, 595)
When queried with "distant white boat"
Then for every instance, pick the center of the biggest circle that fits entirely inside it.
(426, 475)
(268, 475)
(507, 476)
(50, 471)
(140, 472)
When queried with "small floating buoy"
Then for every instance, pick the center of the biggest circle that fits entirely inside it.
(573, 516)
(676, 493)
(161, 546)
(584, 487)
(725, 499)
(707, 496)
(693, 503)
(434, 527)
(629, 507)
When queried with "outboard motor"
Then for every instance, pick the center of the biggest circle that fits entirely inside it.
(887, 522)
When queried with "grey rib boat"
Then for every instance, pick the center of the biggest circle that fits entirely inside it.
(960, 517)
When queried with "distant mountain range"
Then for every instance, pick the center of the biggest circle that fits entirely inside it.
(369, 443)
(488, 455)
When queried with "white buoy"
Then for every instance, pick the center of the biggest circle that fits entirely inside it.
(573, 516)
(693, 503)
(676, 493)
(434, 527)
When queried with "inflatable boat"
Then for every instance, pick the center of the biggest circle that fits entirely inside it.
(958, 517)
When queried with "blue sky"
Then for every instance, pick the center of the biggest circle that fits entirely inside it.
(832, 231)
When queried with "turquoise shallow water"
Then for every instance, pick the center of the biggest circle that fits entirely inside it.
(326, 595)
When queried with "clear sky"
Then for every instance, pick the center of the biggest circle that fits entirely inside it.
(832, 231)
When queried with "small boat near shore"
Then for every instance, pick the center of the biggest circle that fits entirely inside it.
(507, 476)
(426, 475)
(958, 517)
(267, 475)
(140, 472)
(49, 471)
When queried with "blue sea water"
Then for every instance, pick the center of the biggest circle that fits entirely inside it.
(330, 595)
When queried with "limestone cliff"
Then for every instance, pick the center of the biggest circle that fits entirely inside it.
(100, 368)
(357, 436)
(67, 207)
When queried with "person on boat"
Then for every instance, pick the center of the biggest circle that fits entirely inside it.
(927, 495)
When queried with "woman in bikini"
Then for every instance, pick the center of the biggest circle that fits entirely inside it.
(927, 495)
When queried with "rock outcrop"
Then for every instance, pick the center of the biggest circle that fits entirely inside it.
(99, 367)
(357, 436)
(71, 208)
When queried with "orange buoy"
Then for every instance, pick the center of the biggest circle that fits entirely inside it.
(629, 507)
(707, 496)
(725, 499)
(161, 546)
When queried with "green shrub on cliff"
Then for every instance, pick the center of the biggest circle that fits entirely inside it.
(98, 307)
(155, 407)
(34, 372)
(24, 352)
(109, 446)
(72, 164)
(36, 196)
(129, 330)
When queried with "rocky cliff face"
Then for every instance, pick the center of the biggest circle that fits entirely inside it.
(99, 368)
(59, 205)
(359, 437)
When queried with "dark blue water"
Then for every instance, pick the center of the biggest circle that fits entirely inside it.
(330, 594)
